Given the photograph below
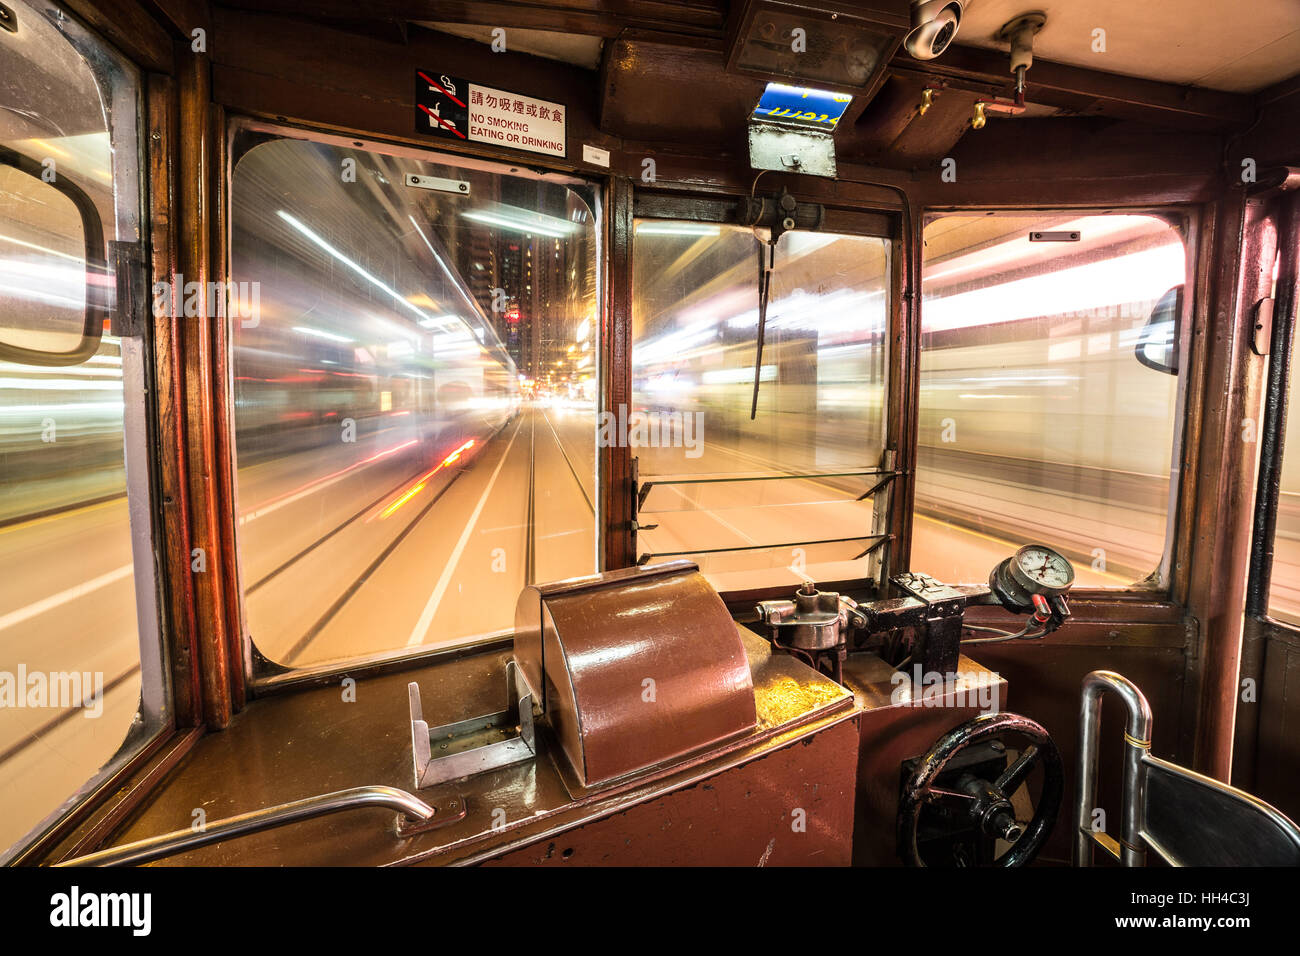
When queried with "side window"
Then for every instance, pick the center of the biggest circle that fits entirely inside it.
(1049, 393)
(765, 484)
(415, 388)
(82, 686)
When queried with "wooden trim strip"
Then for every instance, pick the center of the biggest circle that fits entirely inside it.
(129, 27)
(194, 167)
(616, 482)
(222, 404)
(172, 467)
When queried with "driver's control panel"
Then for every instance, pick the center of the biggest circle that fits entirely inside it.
(814, 625)
(818, 626)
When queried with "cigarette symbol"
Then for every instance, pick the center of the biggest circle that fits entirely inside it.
(449, 90)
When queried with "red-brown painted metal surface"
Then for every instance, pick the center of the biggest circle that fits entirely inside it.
(726, 804)
(791, 807)
(638, 667)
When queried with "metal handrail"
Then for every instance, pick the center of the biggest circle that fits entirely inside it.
(1137, 738)
(876, 541)
(644, 488)
(153, 848)
(783, 476)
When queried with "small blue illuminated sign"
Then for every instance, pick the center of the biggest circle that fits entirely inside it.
(801, 106)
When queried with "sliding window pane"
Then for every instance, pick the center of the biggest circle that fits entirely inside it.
(765, 490)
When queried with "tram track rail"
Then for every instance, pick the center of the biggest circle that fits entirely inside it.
(348, 593)
(569, 462)
(32, 737)
(54, 512)
(318, 626)
(298, 556)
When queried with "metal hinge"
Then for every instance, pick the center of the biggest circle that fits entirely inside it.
(130, 310)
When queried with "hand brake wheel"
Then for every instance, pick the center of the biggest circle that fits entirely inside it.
(978, 803)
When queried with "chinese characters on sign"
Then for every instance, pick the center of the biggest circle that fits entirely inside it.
(451, 107)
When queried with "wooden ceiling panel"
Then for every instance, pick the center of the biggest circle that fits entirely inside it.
(679, 94)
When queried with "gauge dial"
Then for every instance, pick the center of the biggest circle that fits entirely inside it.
(1040, 569)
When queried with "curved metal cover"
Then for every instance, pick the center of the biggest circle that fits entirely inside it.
(638, 667)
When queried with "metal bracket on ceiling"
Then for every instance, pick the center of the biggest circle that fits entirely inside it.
(791, 149)
(1020, 33)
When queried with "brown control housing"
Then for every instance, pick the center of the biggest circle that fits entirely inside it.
(633, 668)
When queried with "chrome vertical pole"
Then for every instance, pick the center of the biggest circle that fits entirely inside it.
(1137, 742)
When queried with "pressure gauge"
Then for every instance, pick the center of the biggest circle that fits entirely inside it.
(1034, 569)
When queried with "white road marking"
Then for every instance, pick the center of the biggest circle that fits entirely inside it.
(431, 608)
(63, 597)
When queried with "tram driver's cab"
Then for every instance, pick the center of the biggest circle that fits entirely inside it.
(735, 433)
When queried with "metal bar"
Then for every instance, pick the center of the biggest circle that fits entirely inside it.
(1137, 739)
(763, 547)
(820, 474)
(764, 286)
(878, 485)
(153, 848)
(1107, 843)
(642, 494)
(1273, 432)
(876, 544)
